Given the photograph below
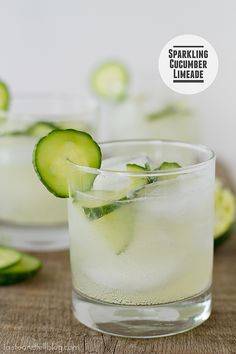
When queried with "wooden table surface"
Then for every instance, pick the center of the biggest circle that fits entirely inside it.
(35, 316)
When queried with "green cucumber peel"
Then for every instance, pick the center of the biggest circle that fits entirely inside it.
(8, 257)
(25, 268)
(169, 110)
(137, 183)
(4, 96)
(135, 188)
(37, 130)
(56, 168)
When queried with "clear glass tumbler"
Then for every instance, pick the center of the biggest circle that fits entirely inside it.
(141, 243)
(148, 117)
(30, 217)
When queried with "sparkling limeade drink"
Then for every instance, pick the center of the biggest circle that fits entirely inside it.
(154, 248)
(141, 218)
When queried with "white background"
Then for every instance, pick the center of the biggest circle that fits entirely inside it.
(51, 45)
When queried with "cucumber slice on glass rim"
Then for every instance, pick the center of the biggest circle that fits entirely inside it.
(25, 268)
(51, 155)
(8, 257)
(110, 81)
(4, 96)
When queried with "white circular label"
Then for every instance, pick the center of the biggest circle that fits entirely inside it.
(188, 64)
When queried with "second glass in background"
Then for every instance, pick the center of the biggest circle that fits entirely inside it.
(30, 217)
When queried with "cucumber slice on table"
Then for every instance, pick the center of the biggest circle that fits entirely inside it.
(8, 257)
(51, 155)
(25, 268)
(110, 81)
(4, 97)
(224, 212)
(40, 128)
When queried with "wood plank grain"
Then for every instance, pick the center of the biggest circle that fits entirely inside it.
(38, 313)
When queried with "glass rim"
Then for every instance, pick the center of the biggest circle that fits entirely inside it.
(47, 97)
(174, 171)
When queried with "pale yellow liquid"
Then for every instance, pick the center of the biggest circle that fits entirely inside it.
(169, 248)
(23, 198)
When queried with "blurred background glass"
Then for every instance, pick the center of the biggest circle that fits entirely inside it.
(30, 216)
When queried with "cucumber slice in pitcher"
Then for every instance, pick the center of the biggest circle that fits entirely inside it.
(51, 155)
(8, 257)
(77, 125)
(37, 130)
(40, 128)
(4, 97)
(110, 81)
(25, 268)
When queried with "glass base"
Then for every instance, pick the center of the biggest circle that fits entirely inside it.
(30, 238)
(142, 321)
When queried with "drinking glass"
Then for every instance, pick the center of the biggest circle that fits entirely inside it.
(141, 243)
(148, 117)
(30, 217)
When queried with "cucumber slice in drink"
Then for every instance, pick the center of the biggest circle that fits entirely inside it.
(117, 228)
(8, 257)
(110, 81)
(25, 268)
(40, 129)
(4, 97)
(51, 160)
(224, 212)
(167, 166)
(99, 198)
(98, 203)
(137, 182)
